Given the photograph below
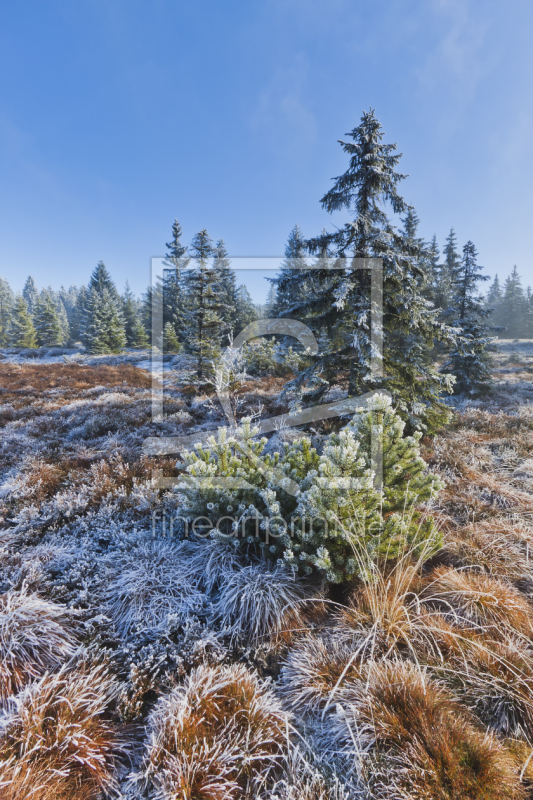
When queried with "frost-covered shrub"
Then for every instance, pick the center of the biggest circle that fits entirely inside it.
(55, 742)
(259, 357)
(250, 494)
(35, 636)
(334, 520)
(259, 601)
(215, 736)
(150, 582)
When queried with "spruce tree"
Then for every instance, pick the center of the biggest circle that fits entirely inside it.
(78, 315)
(204, 324)
(47, 322)
(23, 333)
(63, 319)
(227, 284)
(7, 298)
(448, 275)
(293, 277)
(30, 294)
(176, 261)
(171, 343)
(432, 268)
(103, 331)
(470, 362)
(133, 328)
(494, 295)
(101, 279)
(246, 312)
(339, 301)
(513, 308)
(102, 328)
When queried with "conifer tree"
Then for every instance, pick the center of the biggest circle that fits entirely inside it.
(30, 294)
(354, 524)
(448, 275)
(204, 324)
(171, 343)
(494, 295)
(47, 322)
(433, 269)
(7, 298)
(340, 303)
(22, 333)
(470, 362)
(78, 314)
(63, 319)
(176, 261)
(103, 330)
(227, 283)
(246, 311)
(133, 328)
(293, 275)
(101, 279)
(513, 308)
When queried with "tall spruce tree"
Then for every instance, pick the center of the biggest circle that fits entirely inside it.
(246, 312)
(23, 333)
(293, 276)
(30, 294)
(176, 261)
(7, 298)
(227, 284)
(78, 315)
(341, 304)
(47, 322)
(133, 328)
(103, 330)
(470, 361)
(449, 274)
(204, 323)
(513, 308)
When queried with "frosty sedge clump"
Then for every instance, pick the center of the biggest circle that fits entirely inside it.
(35, 636)
(336, 510)
(215, 737)
(55, 741)
(150, 582)
(257, 601)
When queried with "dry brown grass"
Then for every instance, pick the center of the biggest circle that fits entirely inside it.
(429, 748)
(215, 736)
(35, 636)
(316, 669)
(477, 599)
(55, 740)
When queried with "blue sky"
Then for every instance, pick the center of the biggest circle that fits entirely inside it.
(118, 115)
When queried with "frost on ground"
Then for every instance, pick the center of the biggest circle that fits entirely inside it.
(157, 667)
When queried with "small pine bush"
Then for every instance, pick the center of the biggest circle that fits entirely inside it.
(333, 521)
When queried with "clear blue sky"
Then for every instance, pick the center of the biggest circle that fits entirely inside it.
(118, 115)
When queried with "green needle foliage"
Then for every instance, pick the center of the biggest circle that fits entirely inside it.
(336, 511)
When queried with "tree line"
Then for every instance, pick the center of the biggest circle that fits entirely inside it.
(437, 325)
(197, 296)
